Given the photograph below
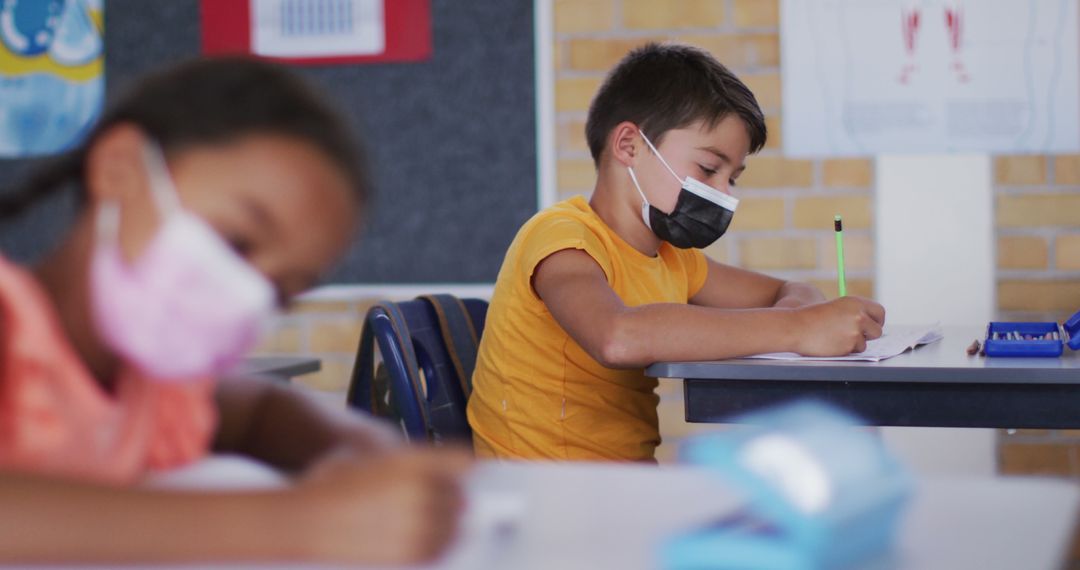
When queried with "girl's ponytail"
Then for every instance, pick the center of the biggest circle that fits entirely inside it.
(56, 174)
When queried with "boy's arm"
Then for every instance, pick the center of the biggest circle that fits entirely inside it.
(288, 429)
(728, 287)
(797, 294)
(575, 290)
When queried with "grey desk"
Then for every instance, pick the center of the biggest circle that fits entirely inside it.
(284, 367)
(937, 385)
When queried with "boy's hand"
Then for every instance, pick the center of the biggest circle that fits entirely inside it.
(398, 508)
(838, 327)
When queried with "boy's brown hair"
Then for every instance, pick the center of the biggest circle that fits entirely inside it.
(660, 87)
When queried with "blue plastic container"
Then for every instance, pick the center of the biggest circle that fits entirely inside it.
(822, 494)
(1027, 339)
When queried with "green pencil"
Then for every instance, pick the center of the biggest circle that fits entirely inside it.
(841, 280)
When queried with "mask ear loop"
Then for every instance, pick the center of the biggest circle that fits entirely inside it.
(644, 200)
(661, 157)
(162, 191)
(162, 188)
(107, 224)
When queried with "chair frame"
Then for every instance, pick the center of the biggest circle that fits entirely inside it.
(434, 406)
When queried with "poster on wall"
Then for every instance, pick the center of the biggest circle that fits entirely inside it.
(319, 31)
(52, 83)
(930, 76)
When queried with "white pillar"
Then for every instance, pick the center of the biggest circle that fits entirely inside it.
(544, 46)
(934, 240)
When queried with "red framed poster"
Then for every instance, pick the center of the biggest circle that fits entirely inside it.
(319, 31)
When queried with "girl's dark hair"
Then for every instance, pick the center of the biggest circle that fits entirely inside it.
(210, 101)
(660, 87)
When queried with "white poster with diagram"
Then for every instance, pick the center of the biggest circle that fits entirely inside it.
(317, 28)
(868, 77)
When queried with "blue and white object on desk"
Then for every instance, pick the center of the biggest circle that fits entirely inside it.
(1024, 339)
(822, 493)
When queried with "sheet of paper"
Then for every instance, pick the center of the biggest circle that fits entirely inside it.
(894, 340)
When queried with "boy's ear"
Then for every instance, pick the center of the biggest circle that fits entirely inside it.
(114, 165)
(626, 143)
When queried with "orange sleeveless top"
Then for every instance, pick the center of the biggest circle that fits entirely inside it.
(56, 419)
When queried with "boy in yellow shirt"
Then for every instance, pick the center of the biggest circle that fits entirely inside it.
(592, 292)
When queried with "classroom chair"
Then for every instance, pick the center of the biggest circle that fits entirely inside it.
(428, 348)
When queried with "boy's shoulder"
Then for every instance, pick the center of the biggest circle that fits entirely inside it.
(570, 224)
(572, 218)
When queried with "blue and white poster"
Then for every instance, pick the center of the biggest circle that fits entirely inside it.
(52, 83)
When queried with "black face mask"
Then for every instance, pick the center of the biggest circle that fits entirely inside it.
(701, 215)
(695, 222)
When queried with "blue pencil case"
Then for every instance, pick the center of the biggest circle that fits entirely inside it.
(821, 494)
(1023, 339)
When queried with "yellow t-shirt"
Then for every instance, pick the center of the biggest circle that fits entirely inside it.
(536, 393)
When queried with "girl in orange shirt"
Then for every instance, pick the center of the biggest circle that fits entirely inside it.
(211, 194)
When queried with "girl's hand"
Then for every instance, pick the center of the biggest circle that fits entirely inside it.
(292, 429)
(366, 436)
(397, 508)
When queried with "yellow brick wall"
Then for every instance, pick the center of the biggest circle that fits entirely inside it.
(327, 330)
(1037, 204)
(784, 222)
(785, 217)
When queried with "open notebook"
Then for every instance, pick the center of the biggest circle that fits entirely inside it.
(894, 340)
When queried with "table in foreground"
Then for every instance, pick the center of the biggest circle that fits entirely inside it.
(936, 385)
(616, 516)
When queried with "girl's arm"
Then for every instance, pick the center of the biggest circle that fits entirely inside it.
(398, 508)
(282, 426)
(57, 520)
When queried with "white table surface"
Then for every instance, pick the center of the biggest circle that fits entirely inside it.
(569, 516)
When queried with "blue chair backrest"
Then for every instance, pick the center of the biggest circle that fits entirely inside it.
(425, 391)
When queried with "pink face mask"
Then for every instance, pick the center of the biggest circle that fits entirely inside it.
(188, 306)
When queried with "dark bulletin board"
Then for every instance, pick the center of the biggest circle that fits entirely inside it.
(452, 139)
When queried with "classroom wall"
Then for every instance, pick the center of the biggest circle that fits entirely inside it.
(1037, 204)
(784, 221)
(476, 99)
